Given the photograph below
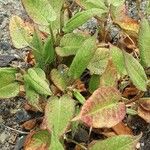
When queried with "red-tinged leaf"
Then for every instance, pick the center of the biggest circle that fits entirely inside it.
(102, 109)
(121, 142)
(38, 140)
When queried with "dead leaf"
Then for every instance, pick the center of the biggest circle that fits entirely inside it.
(144, 114)
(129, 25)
(79, 85)
(130, 91)
(39, 140)
(30, 124)
(121, 128)
(30, 58)
(144, 109)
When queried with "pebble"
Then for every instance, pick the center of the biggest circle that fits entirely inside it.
(22, 116)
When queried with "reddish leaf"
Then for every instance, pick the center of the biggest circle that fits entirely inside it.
(102, 109)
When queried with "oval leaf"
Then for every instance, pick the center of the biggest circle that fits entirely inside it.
(121, 142)
(40, 11)
(70, 43)
(8, 86)
(135, 72)
(58, 79)
(20, 32)
(10, 90)
(35, 79)
(102, 109)
(118, 59)
(80, 18)
(82, 58)
(58, 114)
(143, 42)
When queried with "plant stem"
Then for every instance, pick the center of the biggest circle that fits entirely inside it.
(134, 99)
(52, 34)
(21, 132)
(62, 20)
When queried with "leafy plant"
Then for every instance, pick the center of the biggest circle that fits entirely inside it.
(75, 70)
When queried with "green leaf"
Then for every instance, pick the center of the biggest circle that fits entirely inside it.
(116, 3)
(96, 4)
(99, 61)
(143, 42)
(10, 90)
(57, 6)
(131, 111)
(80, 18)
(118, 59)
(37, 82)
(102, 109)
(8, 86)
(58, 79)
(36, 42)
(94, 83)
(37, 47)
(39, 140)
(82, 58)
(79, 96)
(49, 51)
(20, 32)
(44, 53)
(70, 43)
(58, 113)
(31, 95)
(110, 76)
(135, 72)
(120, 142)
(55, 143)
(40, 11)
(89, 4)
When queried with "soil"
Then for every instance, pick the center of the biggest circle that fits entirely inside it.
(12, 112)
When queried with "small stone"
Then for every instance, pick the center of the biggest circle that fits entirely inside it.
(22, 116)
(1, 19)
(81, 135)
(1, 119)
(3, 137)
(138, 146)
(5, 46)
